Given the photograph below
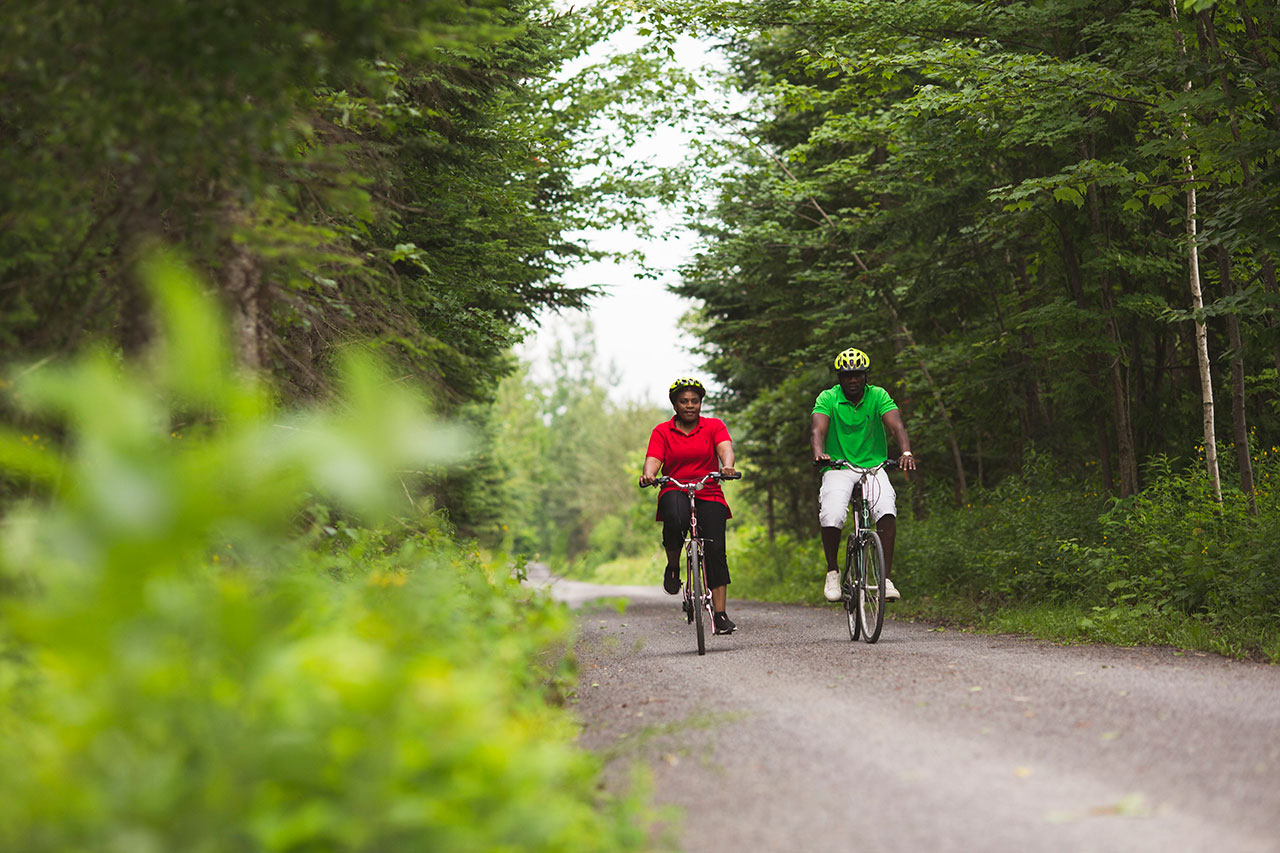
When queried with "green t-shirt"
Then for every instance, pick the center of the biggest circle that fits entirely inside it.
(856, 433)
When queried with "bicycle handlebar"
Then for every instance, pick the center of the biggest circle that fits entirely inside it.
(712, 476)
(888, 465)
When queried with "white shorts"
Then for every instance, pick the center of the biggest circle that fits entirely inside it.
(837, 489)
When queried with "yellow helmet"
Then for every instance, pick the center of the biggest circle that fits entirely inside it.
(683, 383)
(852, 359)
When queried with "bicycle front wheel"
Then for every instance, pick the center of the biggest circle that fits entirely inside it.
(870, 593)
(849, 586)
(695, 584)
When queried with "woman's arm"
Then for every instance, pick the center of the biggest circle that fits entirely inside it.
(652, 465)
(724, 450)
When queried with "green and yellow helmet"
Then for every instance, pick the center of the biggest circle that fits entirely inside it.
(852, 359)
(685, 383)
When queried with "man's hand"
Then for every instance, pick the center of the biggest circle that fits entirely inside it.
(906, 461)
(822, 459)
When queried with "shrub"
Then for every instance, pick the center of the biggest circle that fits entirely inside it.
(184, 671)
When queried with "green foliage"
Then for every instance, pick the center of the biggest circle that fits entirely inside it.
(1177, 550)
(991, 202)
(1169, 559)
(786, 568)
(1033, 537)
(188, 664)
(367, 170)
(569, 459)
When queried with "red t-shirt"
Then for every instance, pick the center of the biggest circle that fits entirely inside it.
(690, 457)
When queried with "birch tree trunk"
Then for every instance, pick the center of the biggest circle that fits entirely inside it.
(1197, 300)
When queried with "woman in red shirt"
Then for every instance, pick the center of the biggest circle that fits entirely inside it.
(688, 447)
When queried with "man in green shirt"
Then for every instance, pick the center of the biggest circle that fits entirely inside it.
(850, 421)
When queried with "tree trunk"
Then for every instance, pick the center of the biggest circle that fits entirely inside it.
(135, 326)
(979, 452)
(1202, 340)
(243, 287)
(1197, 299)
(1037, 414)
(770, 521)
(1126, 455)
(1093, 368)
(1240, 427)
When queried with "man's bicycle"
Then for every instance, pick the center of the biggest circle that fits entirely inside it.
(862, 584)
(697, 598)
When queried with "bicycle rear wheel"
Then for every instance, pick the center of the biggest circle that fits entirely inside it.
(695, 584)
(849, 586)
(870, 594)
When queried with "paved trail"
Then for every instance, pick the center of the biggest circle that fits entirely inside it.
(787, 736)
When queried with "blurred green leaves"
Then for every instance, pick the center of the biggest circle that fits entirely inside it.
(187, 664)
(182, 445)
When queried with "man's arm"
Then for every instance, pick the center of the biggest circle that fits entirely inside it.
(895, 427)
(818, 426)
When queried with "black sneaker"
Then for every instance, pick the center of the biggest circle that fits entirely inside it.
(724, 625)
(671, 580)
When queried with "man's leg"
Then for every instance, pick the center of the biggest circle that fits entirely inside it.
(833, 508)
(887, 527)
(884, 509)
(831, 546)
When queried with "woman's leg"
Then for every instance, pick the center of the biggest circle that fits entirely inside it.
(711, 524)
(673, 508)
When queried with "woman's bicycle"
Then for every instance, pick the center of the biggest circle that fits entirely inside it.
(862, 584)
(697, 598)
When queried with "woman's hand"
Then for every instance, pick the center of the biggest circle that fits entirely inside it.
(727, 471)
(646, 479)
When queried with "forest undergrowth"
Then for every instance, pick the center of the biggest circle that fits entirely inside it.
(1048, 555)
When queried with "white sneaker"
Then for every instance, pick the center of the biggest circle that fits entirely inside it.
(890, 591)
(832, 588)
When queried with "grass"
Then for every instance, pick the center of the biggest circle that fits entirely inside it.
(1073, 623)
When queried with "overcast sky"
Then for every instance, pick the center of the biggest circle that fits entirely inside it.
(636, 320)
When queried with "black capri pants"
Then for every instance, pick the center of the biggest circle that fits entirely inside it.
(673, 507)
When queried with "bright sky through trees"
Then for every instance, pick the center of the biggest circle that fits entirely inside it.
(636, 320)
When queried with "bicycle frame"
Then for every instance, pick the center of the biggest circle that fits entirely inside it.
(695, 586)
(862, 583)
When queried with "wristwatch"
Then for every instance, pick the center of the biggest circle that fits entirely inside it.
(905, 453)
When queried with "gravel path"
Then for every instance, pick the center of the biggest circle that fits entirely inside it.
(786, 736)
